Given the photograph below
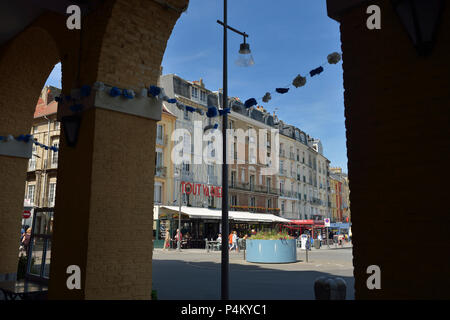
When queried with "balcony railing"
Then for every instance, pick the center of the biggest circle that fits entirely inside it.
(212, 180)
(187, 175)
(163, 141)
(160, 171)
(51, 163)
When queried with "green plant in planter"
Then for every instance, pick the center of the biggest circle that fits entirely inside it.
(271, 235)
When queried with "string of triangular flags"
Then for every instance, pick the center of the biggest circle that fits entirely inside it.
(26, 138)
(299, 81)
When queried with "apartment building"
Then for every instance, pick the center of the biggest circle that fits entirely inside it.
(303, 177)
(207, 172)
(40, 185)
(340, 195)
(164, 170)
(250, 189)
(300, 190)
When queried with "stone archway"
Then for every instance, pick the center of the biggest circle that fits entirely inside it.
(101, 215)
(104, 202)
(24, 65)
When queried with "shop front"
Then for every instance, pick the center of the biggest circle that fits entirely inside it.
(310, 227)
(340, 228)
(201, 224)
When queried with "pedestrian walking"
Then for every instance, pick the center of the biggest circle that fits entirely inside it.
(26, 240)
(234, 241)
(167, 240)
(179, 236)
(319, 237)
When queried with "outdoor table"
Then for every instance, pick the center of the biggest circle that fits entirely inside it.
(214, 245)
(23, 290)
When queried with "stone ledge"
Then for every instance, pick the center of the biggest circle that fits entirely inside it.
(15, 148)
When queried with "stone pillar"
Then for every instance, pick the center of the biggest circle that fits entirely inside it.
(397, 118)
(104, 208)
(104, 200)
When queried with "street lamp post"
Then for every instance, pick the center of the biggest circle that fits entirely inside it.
(179, 217)
(245, 50)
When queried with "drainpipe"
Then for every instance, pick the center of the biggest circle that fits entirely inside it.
(44, 189)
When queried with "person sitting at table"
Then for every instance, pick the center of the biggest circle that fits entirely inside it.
(219, 238)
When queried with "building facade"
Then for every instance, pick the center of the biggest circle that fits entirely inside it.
(300, 188)
(303, 177)
(164, 170)
(198, 158)
(250, 189)
(340, 195)
(40, 185)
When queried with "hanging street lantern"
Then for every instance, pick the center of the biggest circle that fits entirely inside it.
(421, 21)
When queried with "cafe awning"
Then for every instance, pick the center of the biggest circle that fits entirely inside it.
(205, 213)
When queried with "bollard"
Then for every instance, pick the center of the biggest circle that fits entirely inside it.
(326, 288)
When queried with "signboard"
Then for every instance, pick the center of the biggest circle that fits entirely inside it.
(199, 188)
(327, 222)
(26, 214)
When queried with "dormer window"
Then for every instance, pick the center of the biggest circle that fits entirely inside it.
(202, 96)
(194, 93)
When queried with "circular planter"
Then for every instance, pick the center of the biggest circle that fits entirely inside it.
(271, 251)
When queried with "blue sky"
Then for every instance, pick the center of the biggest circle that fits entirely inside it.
(286, 38)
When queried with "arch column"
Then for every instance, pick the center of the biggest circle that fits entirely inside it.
(396, 110)
(104, 199)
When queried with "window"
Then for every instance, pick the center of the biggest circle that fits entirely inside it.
(269, 203)
(56, 125)
(194, 93)
(158, 193)
(30, 193)
(187, 146)
(35, 129)
(51, 194)
(252, 182)
(55, 154)
(211, 149)
(211, 202)
(234, 200)
(159, 158)
(282, 206)
(252, 202)
(202, 96)
(243, 175)
(186, 115)
(159, 134)
(211, 174)
(233, 178)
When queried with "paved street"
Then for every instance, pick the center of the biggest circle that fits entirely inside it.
(195, 274)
